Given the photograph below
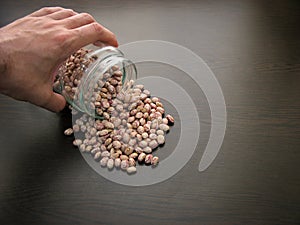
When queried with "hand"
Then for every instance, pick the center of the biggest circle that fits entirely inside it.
(33, 47)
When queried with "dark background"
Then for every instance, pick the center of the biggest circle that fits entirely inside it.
(253, 48)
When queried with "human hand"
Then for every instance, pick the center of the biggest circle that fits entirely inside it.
(33, 47)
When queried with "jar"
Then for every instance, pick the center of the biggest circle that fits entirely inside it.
(92, 77)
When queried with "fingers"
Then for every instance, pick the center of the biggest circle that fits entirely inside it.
(93, 33)
(100, 44)
(62, 14)
(45, 11)
(89, 31)
(84, 27)
(78, 20)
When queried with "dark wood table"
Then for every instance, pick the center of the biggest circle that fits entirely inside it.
(252, 47)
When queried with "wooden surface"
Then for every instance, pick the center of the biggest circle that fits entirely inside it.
(253, 48)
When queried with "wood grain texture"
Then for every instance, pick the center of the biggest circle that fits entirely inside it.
(253, 48)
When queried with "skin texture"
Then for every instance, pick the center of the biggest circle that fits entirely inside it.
(33, 47)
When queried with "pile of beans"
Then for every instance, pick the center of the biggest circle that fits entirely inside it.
(133, 123)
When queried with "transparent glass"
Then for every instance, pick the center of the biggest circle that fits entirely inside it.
(91, 72)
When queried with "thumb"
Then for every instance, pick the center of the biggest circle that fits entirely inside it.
(55, 103)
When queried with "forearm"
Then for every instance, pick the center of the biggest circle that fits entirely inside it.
(3, 66)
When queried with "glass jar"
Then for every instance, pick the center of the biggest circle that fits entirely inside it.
(93, 77)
